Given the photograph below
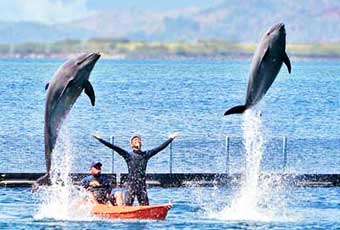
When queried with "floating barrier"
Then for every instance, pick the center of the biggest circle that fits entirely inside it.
(184, 179)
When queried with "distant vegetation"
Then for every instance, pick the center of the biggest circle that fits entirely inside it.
(122, 48)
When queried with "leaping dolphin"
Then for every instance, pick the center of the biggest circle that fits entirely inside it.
(266, 64)
(62, 92)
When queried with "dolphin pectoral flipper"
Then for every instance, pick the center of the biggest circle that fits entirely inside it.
(65, 88)
(90, 92)
(236, 109)
(287, 61)
(46, 86)
(264, 54)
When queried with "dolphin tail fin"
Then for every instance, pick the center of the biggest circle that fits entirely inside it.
(236, 109)
(44, 180)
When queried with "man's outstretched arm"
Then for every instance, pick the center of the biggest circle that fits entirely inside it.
(158, 149)
(115, 148)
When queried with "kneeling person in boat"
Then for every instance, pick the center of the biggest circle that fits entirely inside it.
(136, 161)
(100, 186)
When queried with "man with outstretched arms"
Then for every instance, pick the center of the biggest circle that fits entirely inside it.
(136, 161)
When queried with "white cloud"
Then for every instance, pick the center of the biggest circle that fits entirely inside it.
(45, 11)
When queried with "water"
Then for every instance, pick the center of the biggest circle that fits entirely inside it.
(309, 208)
(245, 205)
(156, 97)
(61, 200)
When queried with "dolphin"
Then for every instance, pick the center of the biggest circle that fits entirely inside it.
(266, 64)
(62, 92)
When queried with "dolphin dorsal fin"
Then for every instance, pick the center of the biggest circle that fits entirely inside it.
(287, 61)
(90, 92)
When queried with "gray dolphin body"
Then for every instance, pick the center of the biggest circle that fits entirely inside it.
(266, 64)
(62, 92)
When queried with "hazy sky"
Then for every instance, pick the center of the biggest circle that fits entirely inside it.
(51, 11)
(150, 4)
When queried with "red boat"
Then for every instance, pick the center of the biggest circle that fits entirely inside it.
(150, 212)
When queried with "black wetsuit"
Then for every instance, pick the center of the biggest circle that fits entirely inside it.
(136, 162)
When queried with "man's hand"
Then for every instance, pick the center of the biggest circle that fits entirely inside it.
(97, 136)
(94, 183)
(173, 135)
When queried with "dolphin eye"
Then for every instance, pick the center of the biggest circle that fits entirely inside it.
(80, 61)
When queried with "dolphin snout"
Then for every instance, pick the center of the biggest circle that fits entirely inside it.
(278, 27)
(93, 56)
(281, 27)
(89, 58)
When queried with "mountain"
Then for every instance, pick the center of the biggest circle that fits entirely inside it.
(233, 20)
(132, 24)
(20, 32)
(247, 20)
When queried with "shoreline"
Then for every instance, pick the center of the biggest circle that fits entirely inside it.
(200, 49)
(229, 56)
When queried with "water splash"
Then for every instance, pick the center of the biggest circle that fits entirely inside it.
(260, 197)
(248, 197)
(61, 200)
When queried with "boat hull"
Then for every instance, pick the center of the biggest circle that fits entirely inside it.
(150, 212)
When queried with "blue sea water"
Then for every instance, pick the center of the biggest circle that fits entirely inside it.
(156, 97)
(308, 208)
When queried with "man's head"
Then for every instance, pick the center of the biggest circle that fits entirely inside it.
(95, 168)
(136, 142)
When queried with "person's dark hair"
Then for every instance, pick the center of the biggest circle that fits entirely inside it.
(135, 136)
